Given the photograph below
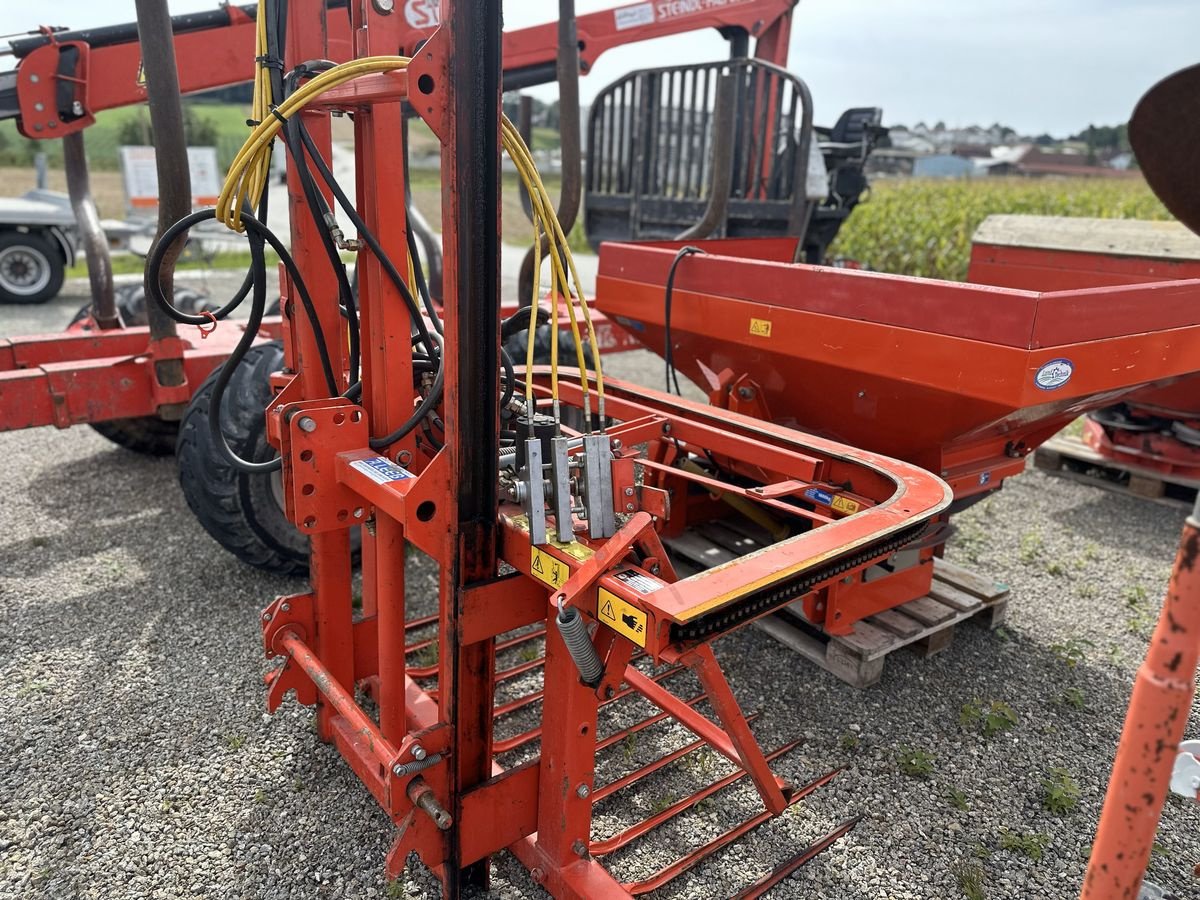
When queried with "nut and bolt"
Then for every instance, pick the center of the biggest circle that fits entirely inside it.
(579, 848)
(655, 569)
(384, 7)
(286, 607)
(266, 617)
(404, 457)
(398, 770)
(629, 507)
(610, 692)
(583, 792)
(307, 424)
(537, 875)
(628, 492)
(616, 444)
(746, 393)
(418, 752)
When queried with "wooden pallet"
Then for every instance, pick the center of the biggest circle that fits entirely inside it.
(1073, 459)
(925, 624)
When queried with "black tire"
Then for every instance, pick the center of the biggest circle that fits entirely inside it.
(32, 267)
(149, 435)
(242, 511)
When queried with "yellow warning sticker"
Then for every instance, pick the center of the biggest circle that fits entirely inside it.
(760, 327)
(845, 504)
(623, 618)
(547, 568)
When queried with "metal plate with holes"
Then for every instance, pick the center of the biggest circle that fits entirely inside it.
(316, 433)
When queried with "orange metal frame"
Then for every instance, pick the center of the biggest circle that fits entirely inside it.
(430, 757)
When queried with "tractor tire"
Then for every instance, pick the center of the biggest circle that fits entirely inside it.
(32, 269)
(148, 435)
(242, 511)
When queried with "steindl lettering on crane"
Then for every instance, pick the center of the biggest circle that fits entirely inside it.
(669, 9)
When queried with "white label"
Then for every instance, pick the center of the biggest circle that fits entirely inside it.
(422, 13)
(633, 16)
(1054, 374)
(380, 470)
(141, 175)
(643, 584)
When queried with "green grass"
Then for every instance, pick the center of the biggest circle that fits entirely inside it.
(915, 763)
(1032, 845)
(102, 138)
(1060, 792)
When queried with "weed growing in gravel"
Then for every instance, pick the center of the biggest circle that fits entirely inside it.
(427, 656)
(1002, 634)
(235, 741)
(701, 762)
(1031, 547)
(1060, 792)
(663, 803)
(1116, 655)
(40, 541)
(915, 763)
(629, 746)
(395, 889)
(970, 877)
(1056, 568)
(1085, 590)
(996, 718)
(1032, 845)
(958, 799)
(1074, 698)
(982, 851)
(260, 796)
(850, 742)
(1072, 651)
(1140, 618)
(529, 653)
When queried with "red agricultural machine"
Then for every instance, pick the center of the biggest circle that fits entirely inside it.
(850, 414)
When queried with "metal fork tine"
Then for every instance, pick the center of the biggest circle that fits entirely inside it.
(790, 865)
(692, 858)
(617, 841)
(653, 766)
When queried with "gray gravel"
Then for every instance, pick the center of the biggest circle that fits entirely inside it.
(140, 762)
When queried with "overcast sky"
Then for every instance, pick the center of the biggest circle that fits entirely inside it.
(1037, 65)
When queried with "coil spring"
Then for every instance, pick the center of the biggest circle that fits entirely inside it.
(573, 628)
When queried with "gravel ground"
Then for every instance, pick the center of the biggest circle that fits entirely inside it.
(140, 762)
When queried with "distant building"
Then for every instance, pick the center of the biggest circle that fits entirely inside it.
(944, 165)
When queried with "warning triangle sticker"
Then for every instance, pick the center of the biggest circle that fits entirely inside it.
(607, 611)
(537, 564)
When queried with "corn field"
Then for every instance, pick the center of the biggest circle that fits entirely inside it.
(924, 227)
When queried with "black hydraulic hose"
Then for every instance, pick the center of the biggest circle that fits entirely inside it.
(668, 353)
(419, 271)
(254, 228)
(427, 404)
(510, 377)
(371, 241)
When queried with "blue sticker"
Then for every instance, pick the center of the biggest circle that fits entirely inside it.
(1054, 374)
(819, 496)
(985, 477)
(631, 323)
(380, 470)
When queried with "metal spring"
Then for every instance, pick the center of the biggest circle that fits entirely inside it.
(574, 631)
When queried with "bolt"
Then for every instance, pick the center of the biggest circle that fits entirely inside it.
(384, 7)
(610, 692)
(666, 429)
(616, 444)
(655, 569)
(861, 394)
(266, 617)
(287, 607)
(39, 106)
(628, 492)
(745, 393)
(579, 848)
(404, 457)
(629, 507)
(307, 424)
(583, 792)
(538, 875)
(398, 770)
(33, 79)
(418, 752)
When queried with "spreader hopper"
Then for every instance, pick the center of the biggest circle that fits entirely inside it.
(962, 379)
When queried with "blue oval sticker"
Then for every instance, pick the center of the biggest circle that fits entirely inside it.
(1054, 374)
